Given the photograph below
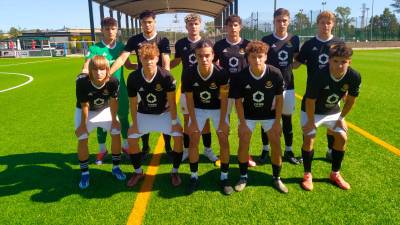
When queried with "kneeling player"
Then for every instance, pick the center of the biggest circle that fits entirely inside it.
(320, 106)
(206, 89)
(97, 106)
(155, 112)
(257, 91)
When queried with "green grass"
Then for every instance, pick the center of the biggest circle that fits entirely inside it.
(39, 170)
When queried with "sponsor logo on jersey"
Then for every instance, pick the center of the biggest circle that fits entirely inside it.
(205, 96)
(268, 84)
(233, 62)
(283, 55)
(151, 98)
(158, 87)
(345, 87)
(323, 59)
(98, 101)
(258, 98)
(213, 86)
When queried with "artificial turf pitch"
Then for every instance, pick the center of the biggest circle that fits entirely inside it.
(39, 171)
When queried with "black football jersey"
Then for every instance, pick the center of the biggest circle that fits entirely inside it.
(97, 97)
(231, 57)
(258, 93)
(328, 91)
(153, 94)
(280, 55)
(184, 49)
(134, 43)
(315, 54)
(205, 90)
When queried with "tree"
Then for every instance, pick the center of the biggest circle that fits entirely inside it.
(301, 22)
(396, 5)
(209, 27)
(389, 23)
(343, 20)
(14, 32)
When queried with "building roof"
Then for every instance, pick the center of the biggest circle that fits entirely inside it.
(133, 8)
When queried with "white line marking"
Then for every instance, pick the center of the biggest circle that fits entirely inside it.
(16, 64)
(20, 74)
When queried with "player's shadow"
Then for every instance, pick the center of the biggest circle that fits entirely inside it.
(210, 182)
(50, 177)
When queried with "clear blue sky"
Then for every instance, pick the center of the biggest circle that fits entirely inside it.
(42, 14)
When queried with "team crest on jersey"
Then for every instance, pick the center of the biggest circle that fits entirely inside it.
(345, 87)
(241, 51)
(269, 84)
(158, 87)
(213, 86)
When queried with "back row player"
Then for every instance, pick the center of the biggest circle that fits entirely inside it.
(185, 53)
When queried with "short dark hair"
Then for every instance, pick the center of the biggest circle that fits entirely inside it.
(147, 13)
(109, 22)
(340, 50)
(233, 18)
(281, 12)
(204, 43)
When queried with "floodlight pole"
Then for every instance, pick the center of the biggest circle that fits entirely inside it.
(91, 20)
(372, 18)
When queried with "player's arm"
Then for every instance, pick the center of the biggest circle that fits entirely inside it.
(114, 109)
(133, 102)
(310, 111)
(276, 127)
(223, 93)
(165, 61)
(85, 67)
(348, 105)
(295, 64)
(193, 126)
(171, 97)
(242, 127)
(175, 62)
(119, 62)
(82, 129)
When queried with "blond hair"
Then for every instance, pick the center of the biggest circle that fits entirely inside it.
(148, 50)
(192, 17)
(98, 62)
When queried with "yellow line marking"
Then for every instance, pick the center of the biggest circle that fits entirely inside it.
(371, 137)
(139, 207)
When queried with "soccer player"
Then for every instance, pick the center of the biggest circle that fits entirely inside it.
(149, 35)
(230, 54)
(184, 52)
(155, 112)
(110, 48)
(314, 53)
(97, 106)
(257, 91)
(206, 89)
(320, 107)
(283, 48)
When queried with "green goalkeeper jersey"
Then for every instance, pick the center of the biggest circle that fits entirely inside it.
(111, 54)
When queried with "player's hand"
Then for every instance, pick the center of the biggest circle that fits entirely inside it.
(341, 124)
(243, 129)
(223, 127)
(193, 128)
(133, 130)
(115, 125)
(82, 129)
(176, 128)
(308, 127)
(276, 128)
